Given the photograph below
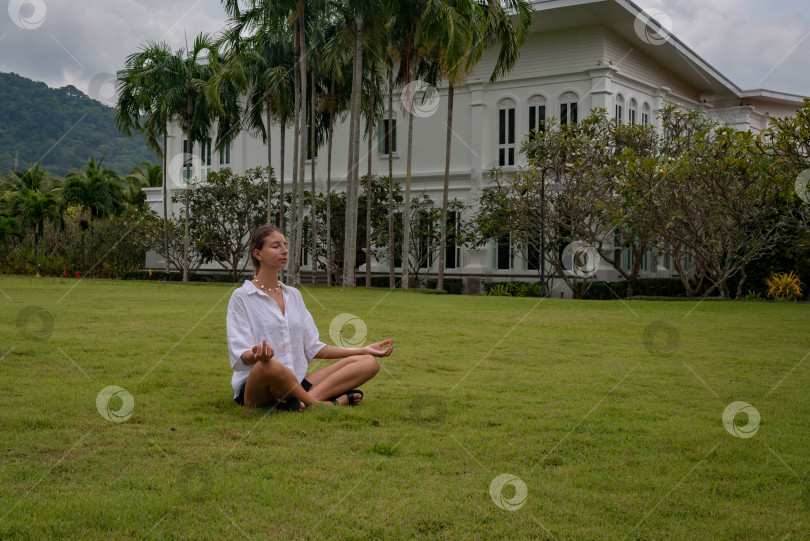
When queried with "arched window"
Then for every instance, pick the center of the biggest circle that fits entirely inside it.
(645, 114)
(619, 109)
(537, 114)
(568, 108)
(632, 112)
(506, 132)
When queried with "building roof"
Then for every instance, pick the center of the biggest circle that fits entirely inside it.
(631, 22)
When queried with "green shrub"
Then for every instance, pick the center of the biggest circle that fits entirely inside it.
(499, 290)
(452, 285)
(376, 281)
(605, 291)
(660, 287)
(645, 287)
(428, 291)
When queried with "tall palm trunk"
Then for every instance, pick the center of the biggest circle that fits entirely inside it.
(355, 209)
(92, 249)
(370, 135)
(392, 281)
(190, 115)
(350, 251)
(302, 154)
(345, 280)
(36, 250)
(296, 135)
(283, 138)
(165, 211)
(406, 216)
(313, 260)
(443, 243)
(269, 168)
(329, 191)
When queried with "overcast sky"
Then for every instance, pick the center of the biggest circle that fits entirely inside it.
(755, 43)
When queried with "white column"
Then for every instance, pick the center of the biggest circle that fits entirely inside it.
(601, 88)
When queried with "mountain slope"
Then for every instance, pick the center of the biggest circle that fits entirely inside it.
(62, 127)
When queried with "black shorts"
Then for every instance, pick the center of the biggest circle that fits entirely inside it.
(240, 398)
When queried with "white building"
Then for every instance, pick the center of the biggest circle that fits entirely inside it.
(581, 55)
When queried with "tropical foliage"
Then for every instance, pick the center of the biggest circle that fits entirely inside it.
(784, 286)
(45, 220)
(702, 195)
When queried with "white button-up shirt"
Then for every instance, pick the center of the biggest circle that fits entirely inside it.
(253, 316)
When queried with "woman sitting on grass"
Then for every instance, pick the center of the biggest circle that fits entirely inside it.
(272, 338)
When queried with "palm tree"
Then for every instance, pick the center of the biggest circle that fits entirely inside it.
(389, 135)
(139, 86)
(422, 28)
(34, 209)
(262, 16)
(361, 16)
(489, 21)
(391, 58)
(148, 175)
(179, 91)
(298, 198)
(9, 227)
(260, 66)
(335, 68)
(97, 191)
(377, 41)
(34, 179)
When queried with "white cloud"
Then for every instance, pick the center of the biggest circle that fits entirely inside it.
(755, 44)
(75, 44)
(746, 40)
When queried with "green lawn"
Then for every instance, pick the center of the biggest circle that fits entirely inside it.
(613, 434)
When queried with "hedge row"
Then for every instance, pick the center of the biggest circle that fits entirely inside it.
(178, 276)
(647, 287)
(376, 281)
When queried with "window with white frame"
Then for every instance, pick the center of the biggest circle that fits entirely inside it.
(568, 108)
(397, 240)
(187, 173)
(537, 114)
(205, 158)
(533, 257)
(632, 112)
(452, 256)
(619, 109)
(382, 134)
(645, 114)
(502, 253)
(506, 132)
(225, 155)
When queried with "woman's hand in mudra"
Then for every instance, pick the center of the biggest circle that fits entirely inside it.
(263, 352)
(378, 349)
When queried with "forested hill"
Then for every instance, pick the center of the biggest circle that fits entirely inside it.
(34, 117)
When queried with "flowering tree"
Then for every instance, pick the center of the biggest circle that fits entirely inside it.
(225, 210)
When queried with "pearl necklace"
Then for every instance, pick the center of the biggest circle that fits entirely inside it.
(271, 290)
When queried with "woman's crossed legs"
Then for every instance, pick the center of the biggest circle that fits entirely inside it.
(270, 381)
